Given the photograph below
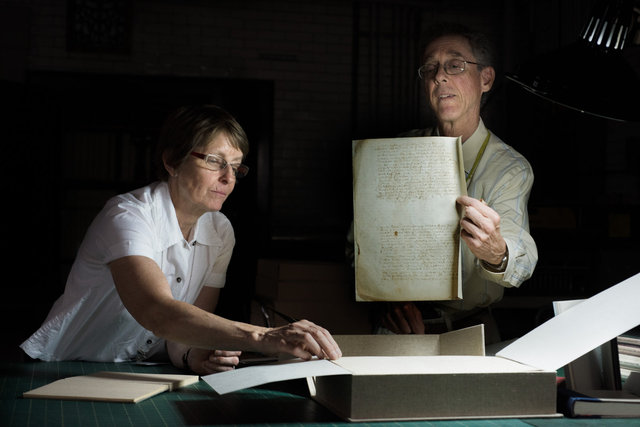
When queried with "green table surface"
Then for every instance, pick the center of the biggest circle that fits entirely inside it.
(285, 403)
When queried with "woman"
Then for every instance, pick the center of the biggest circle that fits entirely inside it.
(148, 274)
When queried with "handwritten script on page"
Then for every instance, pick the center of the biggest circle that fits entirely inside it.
(406, 223)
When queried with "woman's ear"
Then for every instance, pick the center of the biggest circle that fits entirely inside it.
(170, 169)
(487, 77)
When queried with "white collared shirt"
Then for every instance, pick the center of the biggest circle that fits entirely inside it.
(89, 321)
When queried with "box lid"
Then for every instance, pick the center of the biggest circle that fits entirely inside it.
(580, 329)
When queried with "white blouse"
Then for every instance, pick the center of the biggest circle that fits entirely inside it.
(89, 321)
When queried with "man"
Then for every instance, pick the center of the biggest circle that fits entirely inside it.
(498, 250)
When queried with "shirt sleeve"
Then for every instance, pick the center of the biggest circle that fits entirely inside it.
(123, 229)
(128, 231)
(222, 256)
(509, 197)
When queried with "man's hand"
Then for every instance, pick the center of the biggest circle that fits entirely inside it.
(302, 339)
(481, 230)
(404, 318)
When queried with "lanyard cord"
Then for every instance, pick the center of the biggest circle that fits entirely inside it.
(478, 157)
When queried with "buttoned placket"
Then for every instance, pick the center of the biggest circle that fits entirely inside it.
(190, 249)
(180, 279)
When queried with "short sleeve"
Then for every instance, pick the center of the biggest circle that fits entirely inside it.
(220, 255)
(121, 229)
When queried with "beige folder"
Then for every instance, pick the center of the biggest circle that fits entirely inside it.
(112, 386)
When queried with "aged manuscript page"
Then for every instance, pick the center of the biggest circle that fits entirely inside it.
(406, 222)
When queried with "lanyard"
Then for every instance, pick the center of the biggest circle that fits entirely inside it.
(478, 157)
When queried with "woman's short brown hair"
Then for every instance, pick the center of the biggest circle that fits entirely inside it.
(190, 128)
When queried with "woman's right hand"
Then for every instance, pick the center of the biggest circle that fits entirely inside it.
(303, 339)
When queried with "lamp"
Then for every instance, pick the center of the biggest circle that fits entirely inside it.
(590, 75)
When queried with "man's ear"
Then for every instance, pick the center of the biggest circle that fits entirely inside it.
(487, 77)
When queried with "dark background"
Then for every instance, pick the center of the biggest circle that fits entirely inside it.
(84, 89)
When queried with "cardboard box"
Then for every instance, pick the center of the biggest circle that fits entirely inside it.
(419, 377)
(411, 377)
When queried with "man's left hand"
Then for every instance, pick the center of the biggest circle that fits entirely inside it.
(481, 230)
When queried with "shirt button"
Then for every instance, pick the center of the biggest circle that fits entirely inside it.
(179, 279)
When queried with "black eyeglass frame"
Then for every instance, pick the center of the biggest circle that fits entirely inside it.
(424, 74)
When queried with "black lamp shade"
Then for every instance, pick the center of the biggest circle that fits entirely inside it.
(591, 75)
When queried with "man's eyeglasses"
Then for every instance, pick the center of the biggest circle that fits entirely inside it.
(217, 163)
(451, 67)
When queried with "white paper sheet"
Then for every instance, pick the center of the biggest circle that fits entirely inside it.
(580, 329)
(251, 376)
(430, 365)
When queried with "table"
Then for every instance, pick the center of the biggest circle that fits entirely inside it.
(285, 403)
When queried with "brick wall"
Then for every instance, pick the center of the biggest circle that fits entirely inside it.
(329, 87)
(304, 47)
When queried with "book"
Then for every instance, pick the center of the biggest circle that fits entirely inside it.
(599, 403)
(630, 362)
(406, 220)
(629, 351)
(127, 387)
(629, 341)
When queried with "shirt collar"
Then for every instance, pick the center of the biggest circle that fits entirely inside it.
(171, 234)
(472, 145)
(203, 230)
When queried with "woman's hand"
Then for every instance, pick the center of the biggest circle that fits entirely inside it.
(302, 339)
(204, 362)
